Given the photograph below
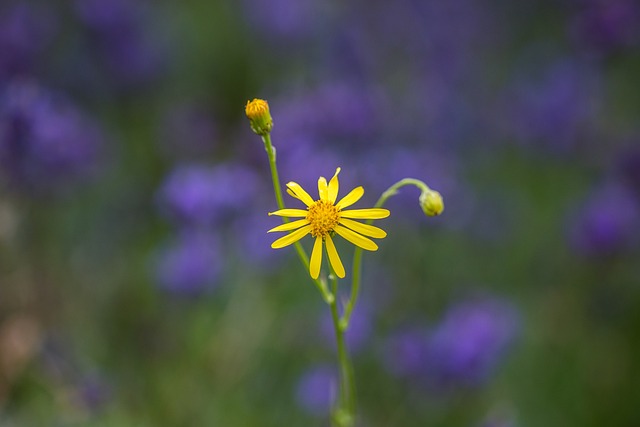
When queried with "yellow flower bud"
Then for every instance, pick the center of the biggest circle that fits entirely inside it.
(259, 116)
(431, 202)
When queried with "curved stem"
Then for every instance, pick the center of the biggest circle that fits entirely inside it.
(357, 254)
(304, 258)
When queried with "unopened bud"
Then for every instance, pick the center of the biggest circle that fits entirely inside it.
(431, 202)
(259, 116)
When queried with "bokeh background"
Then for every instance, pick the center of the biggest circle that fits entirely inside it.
(137, 285)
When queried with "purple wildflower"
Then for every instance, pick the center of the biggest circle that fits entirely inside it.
(288, 20)
(607, 223)
(338, 113)
(470, 341)
(118, 30)
(317, 389)
(405, 353)
(94, 392)
(44, 140)
(196, 194)
(605, 26)
(191, 265)
(557, 108)
(24, 33)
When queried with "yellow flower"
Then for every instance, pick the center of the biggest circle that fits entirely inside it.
(324, 218)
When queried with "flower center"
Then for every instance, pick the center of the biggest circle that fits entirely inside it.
(323, 217)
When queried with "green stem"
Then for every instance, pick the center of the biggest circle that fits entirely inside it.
(344, 413)
(357, 254)
(304, 258)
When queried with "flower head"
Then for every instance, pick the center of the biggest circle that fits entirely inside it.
(324, 218)
(431, 203)
(258, 114)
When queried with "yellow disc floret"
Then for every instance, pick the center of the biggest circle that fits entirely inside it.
(323, 217)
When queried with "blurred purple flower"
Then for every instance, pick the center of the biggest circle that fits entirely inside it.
(344, 110)
(468, 344)
(405, 353)
(196, 194)
(607, 222)
(557, 108)
(44, 140)
(304, 164)
(94, 392)
(118, 30)
(191, 265)
(317, 389)
(288, 20)
(340, 114)
(25, 30)
(603, 26)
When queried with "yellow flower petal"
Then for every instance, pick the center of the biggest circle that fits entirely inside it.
(356, 239)
(289, 212)
(299, 193)
(334, 259)
(290, 225)
(353, 196)
(323, 191)
(291, 238)
(316, 258)
(333, 187)
(367, 230)
(373, 213)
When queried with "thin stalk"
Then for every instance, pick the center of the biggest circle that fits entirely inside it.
(304, 258)
(344, 413)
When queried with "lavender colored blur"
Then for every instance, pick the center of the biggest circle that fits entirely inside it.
(469, 343)
(196, 194)
(317, 389)
(284, 20)
(191, 265)
(339, 113)
(94, 392)
(606, 26)
(45, 141)
(607, 223)
(25, 30)
(126, 47)
(406, 351)
(555, 109)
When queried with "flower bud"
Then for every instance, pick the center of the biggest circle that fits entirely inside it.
(431, 202)
(259, 116)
